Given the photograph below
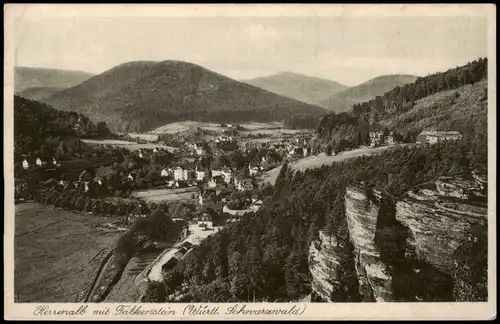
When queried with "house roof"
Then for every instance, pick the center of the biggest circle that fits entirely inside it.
(205, 216)
(187, 244)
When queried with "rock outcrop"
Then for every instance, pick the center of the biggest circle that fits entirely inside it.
(415, 254)
(438, 222)
(332, 269)
(374, 277)
(323, 264)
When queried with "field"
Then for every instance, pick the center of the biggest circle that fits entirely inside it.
(185, 126)
(54, 251)
(276, 132)
(145, 137)
(248, 128)
(132, 146)
(157, 195)
(319, 160)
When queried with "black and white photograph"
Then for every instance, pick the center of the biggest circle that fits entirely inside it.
(243, 158)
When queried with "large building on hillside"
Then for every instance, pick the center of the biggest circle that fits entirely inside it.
(200, 174)
(433, 137)
(180, 174)
(377, 138)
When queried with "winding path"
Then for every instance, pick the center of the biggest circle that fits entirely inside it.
(317, 161)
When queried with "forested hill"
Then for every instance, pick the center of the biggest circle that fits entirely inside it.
(39, 128)
(39, 93)
(343, 101)
(29, 77)
(451, 100)
(297, 86)
(141, 96)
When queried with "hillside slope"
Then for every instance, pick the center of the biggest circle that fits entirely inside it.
(28, 77)
(300, 87)
(344, 100)
(140, 96)
(461, 109)
(40, 128)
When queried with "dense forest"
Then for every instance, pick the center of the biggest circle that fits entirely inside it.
(401, 99)
(265, 255)
(39, 129)
(407, 109)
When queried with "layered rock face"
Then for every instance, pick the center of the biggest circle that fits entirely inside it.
(442, 220)
(323, 264)
(430, 230)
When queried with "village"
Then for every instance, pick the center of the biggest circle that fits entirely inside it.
(268, 162)
(222, 173)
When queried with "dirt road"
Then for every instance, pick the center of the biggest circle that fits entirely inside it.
(319, 160)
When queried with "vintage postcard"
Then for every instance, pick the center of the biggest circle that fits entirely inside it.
(238, 162)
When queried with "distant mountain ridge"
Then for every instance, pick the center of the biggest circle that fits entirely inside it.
(143, 95)
(344, 100)
(50, 79)
(39, 93)
(300, 87)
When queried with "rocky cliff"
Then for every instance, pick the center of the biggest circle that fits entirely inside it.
(412, 249)
(375, 279)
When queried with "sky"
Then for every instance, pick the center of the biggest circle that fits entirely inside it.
(349, 50)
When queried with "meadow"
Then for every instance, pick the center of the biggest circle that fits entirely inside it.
(56, 251)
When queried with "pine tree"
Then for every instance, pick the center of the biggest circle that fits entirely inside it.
(280, 181)
(335, 215)
(156, 293)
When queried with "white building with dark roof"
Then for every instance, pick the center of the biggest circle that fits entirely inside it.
(200, 175)
(376, 138)
(26, 165)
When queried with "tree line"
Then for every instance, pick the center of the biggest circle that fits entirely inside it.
(402, 98)
(40, 129)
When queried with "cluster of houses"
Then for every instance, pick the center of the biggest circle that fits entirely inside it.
(378, 138)
(223, 139)
(286, 148)
(433, 137)
(196, 149)
(40, 163)
(291, 148)
(186, 177)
